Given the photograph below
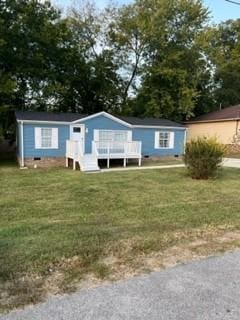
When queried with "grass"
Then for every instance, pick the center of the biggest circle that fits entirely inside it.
(58, 226)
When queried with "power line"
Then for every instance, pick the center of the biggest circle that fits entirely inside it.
(234, 2)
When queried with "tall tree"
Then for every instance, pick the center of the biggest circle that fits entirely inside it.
(127, 41)
(174, 61)
(224, 52)
(32, 38)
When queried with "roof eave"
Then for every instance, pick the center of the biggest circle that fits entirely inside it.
(215, 120)
(159, 127)
(43, 121)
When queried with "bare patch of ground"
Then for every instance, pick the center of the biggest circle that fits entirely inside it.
(121, 262)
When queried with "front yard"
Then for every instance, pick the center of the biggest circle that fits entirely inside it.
(61, 229)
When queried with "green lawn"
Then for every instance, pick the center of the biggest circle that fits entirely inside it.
(60, 225)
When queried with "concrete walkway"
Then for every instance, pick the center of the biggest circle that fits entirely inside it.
(205, 290)
(231, 162)
(227, 162)
(144, 168)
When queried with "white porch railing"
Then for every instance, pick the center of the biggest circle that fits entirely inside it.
(104, 150)
(73, 149)
(115, 149)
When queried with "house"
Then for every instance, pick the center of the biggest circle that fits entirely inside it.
(223, 124)
(52, 139)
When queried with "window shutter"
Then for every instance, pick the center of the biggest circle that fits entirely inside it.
(156, 143)
(96, 135)
(171, 142)
(129, 135)
(55, 138)
(38, 138)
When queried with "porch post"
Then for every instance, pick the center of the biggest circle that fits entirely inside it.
(108, 152)
(139, 161)
(66, 162)
(74, 164)
(124, 162)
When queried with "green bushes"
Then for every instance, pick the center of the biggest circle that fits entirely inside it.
(203, 157)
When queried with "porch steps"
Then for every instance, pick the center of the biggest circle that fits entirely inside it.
(88, 162)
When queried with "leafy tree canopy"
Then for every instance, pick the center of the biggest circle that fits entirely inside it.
(150, 58)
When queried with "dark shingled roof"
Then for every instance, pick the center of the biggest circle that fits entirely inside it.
(69, 117)
(232, 112)
(150, 121)
(48, 116)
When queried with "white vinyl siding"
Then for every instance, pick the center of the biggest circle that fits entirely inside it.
(112, 135)
(46, 138)
(164, 140)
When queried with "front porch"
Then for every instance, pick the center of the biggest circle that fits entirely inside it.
(108, 150)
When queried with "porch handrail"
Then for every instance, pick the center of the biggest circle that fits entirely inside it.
(73, 149)
(125, 148)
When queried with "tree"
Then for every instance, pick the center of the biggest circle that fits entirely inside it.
(32, 40)
(95, 85)
(127, 42)
(51, 62)
(224, 52)
(174, 61)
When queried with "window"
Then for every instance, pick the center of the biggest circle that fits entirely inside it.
(76, 129)
(46, 138)
(112, 135)
(164, 140)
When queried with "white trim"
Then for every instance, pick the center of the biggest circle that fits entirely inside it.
(95, 134)
(107, 115)
(103, 113)
(55, 138)
(37, 137)
(22, 145)
(159, 127)
(43, 122)
(184, 141)
(156, 139)
(171, 140)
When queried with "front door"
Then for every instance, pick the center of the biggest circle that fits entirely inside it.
(77, 134)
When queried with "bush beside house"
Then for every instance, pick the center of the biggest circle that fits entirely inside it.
(203, 157)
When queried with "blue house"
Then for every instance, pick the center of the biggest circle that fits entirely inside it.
(52, 139)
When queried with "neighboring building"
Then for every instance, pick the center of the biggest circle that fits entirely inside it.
(223, 124)
(51, 139)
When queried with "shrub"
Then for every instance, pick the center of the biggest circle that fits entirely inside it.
(203, 157)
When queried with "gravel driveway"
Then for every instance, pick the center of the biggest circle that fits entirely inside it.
(206, 289)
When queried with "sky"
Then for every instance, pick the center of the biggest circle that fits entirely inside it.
(220, 9)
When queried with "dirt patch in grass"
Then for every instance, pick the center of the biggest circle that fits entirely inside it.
(122, 261)
(187, 247)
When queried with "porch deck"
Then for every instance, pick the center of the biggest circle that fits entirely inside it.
(104, 150)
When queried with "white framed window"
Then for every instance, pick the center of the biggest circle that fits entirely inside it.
(164, 140)
(112, 135)
(46, 138)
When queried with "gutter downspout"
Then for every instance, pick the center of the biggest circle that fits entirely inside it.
(22, 146)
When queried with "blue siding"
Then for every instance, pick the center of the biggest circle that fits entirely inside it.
(100, 122)
(29, 141)
(147, 136)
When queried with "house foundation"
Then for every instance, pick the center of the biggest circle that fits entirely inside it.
(43, 162)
